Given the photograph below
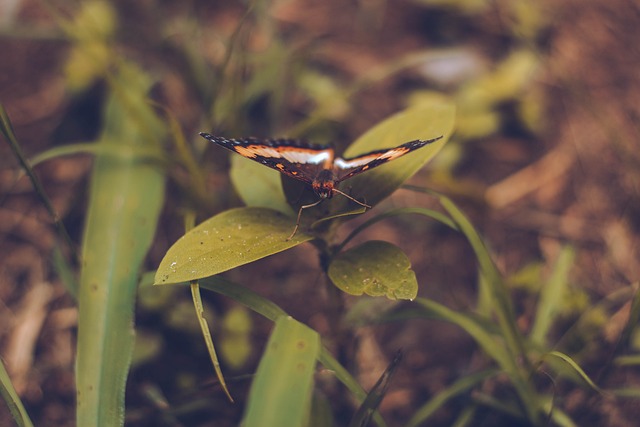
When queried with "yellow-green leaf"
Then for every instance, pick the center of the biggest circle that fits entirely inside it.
(374, 268)
(281, 391)
(225, 241)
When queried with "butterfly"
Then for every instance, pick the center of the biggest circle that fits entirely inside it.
(315, 165)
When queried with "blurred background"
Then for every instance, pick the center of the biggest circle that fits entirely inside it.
(543, 158)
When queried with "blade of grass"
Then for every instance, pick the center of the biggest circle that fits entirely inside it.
(397, 212)
(632, 323)
(197, 303)
(517, 365)
(489, 341)
(503, 310)
(375, 395)
(459, 387)
(552, 297)
(11, 398)
(7, 131)
(573, 365)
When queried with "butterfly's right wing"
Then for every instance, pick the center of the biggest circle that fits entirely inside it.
(347, 168)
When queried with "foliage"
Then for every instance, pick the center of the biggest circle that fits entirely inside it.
(127, 188)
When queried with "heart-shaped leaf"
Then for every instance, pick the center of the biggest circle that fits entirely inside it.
(225, 241)
(374, 268)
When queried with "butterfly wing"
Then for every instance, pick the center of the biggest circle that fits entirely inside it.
(291, 157)
(347, 168)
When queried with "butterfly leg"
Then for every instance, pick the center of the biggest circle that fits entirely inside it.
(364, 205)
(295, 230)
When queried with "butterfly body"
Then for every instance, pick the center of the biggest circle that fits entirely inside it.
(314, 165)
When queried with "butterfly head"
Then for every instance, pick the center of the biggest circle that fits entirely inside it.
(324, 184)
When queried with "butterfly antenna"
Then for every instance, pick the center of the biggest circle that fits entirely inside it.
(295, 230)
(364, 205)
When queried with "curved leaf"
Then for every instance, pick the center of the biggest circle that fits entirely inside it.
(281, 391)
(126, 197)
(12, 400)
(258, 185)
(225, 241)
(374, 268)
(422, 122)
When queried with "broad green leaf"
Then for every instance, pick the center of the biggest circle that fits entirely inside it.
(425, 121)
(281, 391)
(126, 196)
(374, 268)
(225, 241)
(12, 399)
(258, 185)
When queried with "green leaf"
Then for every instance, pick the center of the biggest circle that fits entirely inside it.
(422, 122)
(272, 312)
(12, 399)
(225, 241)
(6, 129)
(126, 196)
(480, 331)
(574, 368)
(374, 268)
(206, 334)
(552, 297)
(281, 391)
(375, 395)
(396, 212)
(461, 386)
(258, 185)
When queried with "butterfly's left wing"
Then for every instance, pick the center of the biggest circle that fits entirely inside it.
(291, 157)
(347, 168)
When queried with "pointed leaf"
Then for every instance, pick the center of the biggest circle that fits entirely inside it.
(225, 241)
(422, 122)
(375, 268)
(12, 400)
(126, 197)
(258, 185)
(281, 391)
